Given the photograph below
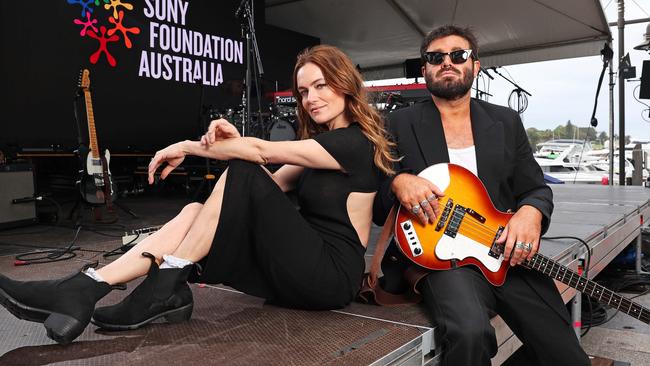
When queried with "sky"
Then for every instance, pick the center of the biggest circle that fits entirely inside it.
(564, 90)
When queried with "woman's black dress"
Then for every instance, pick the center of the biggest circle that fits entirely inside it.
(309, 258)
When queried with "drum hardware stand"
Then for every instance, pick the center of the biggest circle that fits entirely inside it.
(208, 177)
(245, 13)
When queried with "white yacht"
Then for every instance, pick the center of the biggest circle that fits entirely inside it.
(570, 150)
(564, 159)
(573, 165)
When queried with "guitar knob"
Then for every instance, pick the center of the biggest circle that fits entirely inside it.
(407, 226)
(417, 251)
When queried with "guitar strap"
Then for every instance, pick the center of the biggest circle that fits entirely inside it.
(371, 291)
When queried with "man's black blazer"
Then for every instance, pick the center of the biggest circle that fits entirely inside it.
(505, 165)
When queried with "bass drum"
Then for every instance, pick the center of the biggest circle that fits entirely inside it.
(282, 130)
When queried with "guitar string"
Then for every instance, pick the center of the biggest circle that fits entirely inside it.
(489, 235)
(486, 232)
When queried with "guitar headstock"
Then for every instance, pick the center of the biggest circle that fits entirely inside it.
(84, 79)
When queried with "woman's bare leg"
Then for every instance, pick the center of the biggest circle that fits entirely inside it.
(189, 236)
(164, 241)
(198, 240)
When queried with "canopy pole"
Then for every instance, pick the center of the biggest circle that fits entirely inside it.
(621, 94)
(611, 123)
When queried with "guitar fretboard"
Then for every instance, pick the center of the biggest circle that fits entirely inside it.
(592, 289)
(92, 133)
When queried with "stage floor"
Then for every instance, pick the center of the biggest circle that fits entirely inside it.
(230, 328)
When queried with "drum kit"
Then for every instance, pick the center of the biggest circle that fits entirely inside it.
(279, 123)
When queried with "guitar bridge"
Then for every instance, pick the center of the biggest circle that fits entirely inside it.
(496, 250)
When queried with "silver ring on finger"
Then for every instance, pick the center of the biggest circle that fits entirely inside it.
(431, 198)
(424, 203)
(519, 245)
(528, 247)
(415, 209)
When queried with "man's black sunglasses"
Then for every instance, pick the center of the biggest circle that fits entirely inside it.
(457, 57)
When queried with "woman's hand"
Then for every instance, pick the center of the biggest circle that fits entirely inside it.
(173, 155)
(219, 129)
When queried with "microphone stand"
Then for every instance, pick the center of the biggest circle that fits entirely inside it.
(479, 93)
(518, 90)
(245, 13)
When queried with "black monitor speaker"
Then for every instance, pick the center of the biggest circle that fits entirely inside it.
(644, 93)
(412, 67)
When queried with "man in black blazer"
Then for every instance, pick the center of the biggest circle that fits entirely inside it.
(489, 140)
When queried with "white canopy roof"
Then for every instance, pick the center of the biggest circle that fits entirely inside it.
(380, 34)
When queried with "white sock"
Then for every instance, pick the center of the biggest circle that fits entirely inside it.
(90, 272)
(169, 261)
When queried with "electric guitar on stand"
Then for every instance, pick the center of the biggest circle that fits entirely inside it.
(466, 234)
(96, 185)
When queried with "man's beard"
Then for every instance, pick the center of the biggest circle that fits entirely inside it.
(450, 90)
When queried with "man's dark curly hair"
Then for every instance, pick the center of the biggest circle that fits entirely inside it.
(449, 30)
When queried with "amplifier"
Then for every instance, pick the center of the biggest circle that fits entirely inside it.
(17, 183)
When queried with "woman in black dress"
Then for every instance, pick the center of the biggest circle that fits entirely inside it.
(247, 234)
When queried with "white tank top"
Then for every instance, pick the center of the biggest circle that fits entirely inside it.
(464, 157)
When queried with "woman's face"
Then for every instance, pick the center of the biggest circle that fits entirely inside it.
(324, 105)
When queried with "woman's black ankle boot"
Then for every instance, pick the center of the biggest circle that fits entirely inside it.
(164, 293)
(64, 306)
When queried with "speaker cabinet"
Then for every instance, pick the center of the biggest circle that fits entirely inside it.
(16, 182)
(412, 68)
(644, 93)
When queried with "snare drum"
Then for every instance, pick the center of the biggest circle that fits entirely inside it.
(282, 130)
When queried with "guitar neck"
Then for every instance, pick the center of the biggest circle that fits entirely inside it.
(572, 279)
(92, 133)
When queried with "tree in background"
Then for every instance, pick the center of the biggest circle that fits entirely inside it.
(602, 137)
(567, 131)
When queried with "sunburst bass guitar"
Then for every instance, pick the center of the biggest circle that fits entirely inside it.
(466, 234)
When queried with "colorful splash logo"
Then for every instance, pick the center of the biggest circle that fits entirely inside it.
(110, 22)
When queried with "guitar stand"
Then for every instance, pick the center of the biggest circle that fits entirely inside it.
(97, 213)
(126, 209)
(77, 209)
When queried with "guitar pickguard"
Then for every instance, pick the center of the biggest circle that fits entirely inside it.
(462, 247)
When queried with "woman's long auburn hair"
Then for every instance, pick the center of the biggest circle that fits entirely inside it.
(341, 75)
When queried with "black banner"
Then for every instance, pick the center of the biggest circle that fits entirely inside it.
(149, 63)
